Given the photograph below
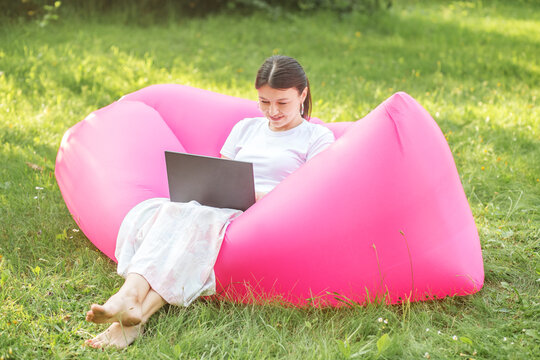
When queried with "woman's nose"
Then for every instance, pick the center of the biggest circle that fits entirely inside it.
(273, 109)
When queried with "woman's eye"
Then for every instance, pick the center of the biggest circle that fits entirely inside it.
(282, 103)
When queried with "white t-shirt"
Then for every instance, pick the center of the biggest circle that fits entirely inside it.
(274, 154)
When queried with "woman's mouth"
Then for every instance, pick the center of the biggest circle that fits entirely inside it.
(276, 118)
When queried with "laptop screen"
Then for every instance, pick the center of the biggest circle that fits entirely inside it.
(211, 181)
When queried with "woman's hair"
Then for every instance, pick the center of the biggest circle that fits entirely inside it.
(284, 72)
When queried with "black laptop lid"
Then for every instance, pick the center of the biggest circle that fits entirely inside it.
(216, 182)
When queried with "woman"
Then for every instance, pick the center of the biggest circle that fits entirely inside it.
(147, 248)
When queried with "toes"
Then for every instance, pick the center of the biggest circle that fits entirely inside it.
(97, 309)
(95, 343)
(116, 336)
(101, 341)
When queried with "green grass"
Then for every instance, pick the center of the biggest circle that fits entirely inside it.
(473, 66)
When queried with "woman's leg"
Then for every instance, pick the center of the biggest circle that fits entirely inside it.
(125, 306)
(120, 336)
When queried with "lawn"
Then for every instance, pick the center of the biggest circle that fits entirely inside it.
(473, 65)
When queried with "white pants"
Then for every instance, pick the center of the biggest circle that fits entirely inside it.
(174, 246)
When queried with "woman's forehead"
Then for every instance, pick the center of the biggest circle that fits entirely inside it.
(270, 93)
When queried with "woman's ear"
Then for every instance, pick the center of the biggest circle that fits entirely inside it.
(304, 94)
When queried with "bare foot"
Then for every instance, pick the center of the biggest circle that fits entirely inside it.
(116, 335)
(124, 309)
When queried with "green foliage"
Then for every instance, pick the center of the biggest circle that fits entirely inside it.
(383, 343)
(341, 6)
(44, 11)
(51, 13)
(154, 11)
(472, 65)
(30, 9)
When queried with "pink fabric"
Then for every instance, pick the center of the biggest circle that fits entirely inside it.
(380, 214)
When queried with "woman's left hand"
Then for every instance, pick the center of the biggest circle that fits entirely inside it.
(259, 195)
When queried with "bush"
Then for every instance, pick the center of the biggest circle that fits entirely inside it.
(342, 6)
(24, 8)
(159, 9)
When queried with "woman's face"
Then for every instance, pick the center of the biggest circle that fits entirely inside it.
(281, 107)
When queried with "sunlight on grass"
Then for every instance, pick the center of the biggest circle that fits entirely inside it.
(472, 65)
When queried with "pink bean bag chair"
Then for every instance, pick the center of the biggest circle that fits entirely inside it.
(380, 215)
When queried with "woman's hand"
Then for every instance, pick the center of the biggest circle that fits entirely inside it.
(259, 195)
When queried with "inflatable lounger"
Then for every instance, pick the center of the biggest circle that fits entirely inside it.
(380, 215)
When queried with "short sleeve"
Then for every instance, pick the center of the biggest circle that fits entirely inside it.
(230, 148)
(322, 138)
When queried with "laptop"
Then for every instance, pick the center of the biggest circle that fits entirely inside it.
(211, 181)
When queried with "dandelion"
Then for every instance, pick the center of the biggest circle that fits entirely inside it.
(379, 319)
(454, 337)
(358, 34)
(483, 168)
(427, 329)
(427, 356)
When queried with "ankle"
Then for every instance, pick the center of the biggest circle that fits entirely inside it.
(127, 294)
(131, 293)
